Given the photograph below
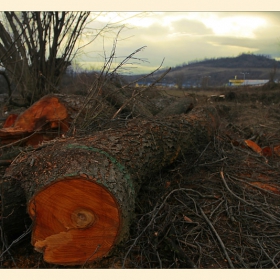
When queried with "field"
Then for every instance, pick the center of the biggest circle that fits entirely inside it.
(216, 209)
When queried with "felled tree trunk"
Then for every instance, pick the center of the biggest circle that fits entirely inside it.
(49, 118)
(182, 105)
(81, 193)
(48, 113)
(132, 105)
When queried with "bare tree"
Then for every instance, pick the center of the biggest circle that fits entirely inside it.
(37, 47)
(179, 79)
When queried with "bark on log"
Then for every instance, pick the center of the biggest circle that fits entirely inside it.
(46, 114)
(118, 99)
(81, 192)
(155, 100)
(50, 117)
(180, 106)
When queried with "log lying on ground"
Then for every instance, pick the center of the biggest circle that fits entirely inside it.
(48, 111)
(53, 114)
(182, 105)
(81, 192)
(129, 104)
(155, 100)
(49, 117)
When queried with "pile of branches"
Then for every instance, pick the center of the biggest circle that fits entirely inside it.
(220, 210)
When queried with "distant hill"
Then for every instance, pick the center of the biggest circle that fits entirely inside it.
(241, 61)
(218, 71)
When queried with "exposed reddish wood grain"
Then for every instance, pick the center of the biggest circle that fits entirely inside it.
(10, 120)
(76, 220)
(46, 114)
(254, 146)
(267, 186)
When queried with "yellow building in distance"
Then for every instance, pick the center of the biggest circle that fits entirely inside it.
(235, 82)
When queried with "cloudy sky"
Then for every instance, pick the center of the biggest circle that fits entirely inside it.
(178, 37)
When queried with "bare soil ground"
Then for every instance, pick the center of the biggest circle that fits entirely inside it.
(219, 209)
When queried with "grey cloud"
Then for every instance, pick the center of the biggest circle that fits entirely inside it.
(191, 27)
(196, 41)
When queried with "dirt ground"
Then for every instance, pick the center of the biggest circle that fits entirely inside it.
(218, 209)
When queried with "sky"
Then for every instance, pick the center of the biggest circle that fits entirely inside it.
(173, 38)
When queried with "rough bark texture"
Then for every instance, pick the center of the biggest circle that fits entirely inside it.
(180, 106)
(49, 117)
(132, 105)
(114, 161)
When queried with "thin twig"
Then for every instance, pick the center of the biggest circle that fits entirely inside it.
(155, 212)
(246, 202)
(254, 186)
(218, 237)
(138, 93)
(18, 239)
(271, 260)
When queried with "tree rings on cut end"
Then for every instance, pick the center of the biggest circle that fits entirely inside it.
(82, 218)
(76, 220)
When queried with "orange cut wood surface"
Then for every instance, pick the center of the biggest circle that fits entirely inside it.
(46, 114)
(75, 221)
(254, 146)
(10, 120)
(47, 109)
(270, 187)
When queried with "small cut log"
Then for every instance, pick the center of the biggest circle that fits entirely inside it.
(49, 118)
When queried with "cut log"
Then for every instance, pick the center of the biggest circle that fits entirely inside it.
(52, 115)
(155, 100)
(48, 118)
(10, 120)
(48, 113)
(81, 192)
(180, 106)
(132, 105)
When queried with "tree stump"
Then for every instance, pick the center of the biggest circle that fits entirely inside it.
(81, 192)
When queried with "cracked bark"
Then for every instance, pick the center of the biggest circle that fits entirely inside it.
(80, 192)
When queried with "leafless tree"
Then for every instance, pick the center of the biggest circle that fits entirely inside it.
(37, 47)
(179, 79)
